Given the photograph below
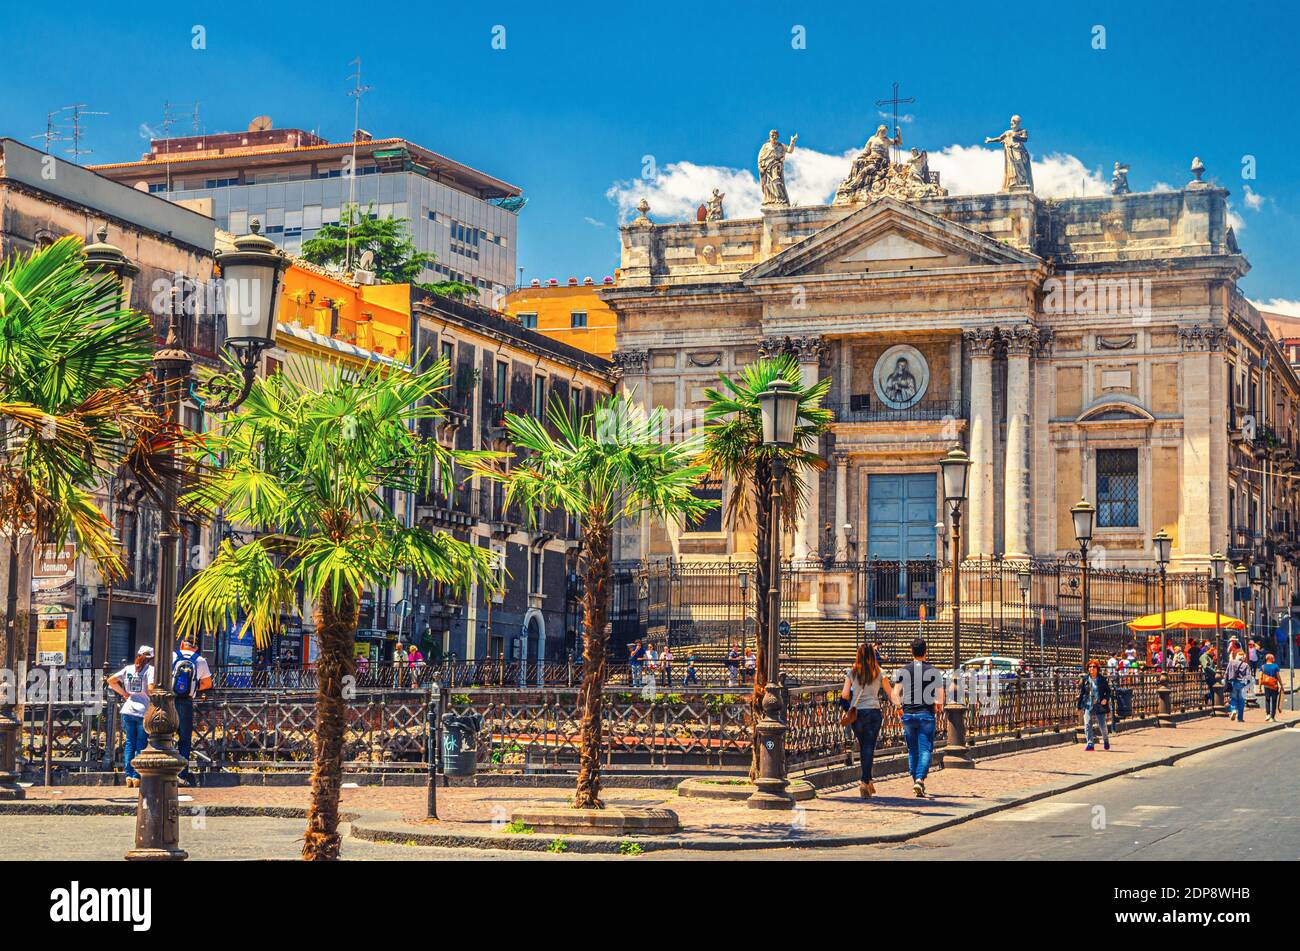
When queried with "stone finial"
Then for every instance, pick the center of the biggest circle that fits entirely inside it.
(642, 220)
(101, 235)
(1198, 169)
(1119, 179)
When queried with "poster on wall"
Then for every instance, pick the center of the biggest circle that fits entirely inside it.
(52, 638)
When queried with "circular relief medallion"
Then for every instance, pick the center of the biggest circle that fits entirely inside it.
(901, 377)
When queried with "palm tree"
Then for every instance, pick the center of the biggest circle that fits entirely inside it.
(734, 449)
(312, 465)
(613, 463)
(73, 404)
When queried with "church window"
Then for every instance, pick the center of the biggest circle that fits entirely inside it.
(1117, 488)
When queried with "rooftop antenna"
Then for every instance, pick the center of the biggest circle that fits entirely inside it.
(166, 137)
(194, 116)
(78, 110)
(51, 133)
(356, 92)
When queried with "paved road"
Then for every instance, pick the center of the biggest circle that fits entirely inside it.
(1240, 802)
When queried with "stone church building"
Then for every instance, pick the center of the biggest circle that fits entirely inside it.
(1093, 347)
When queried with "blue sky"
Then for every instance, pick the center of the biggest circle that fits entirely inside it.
(580, 95)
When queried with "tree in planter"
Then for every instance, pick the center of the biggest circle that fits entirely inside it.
(613, 463)
(311, 463)
(733, 439)
(396, 258)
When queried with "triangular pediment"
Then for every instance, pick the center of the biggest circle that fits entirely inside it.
(888, 236)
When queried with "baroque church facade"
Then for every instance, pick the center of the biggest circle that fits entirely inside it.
(1093, 347)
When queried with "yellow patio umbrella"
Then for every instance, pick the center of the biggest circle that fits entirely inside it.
(1187, 619)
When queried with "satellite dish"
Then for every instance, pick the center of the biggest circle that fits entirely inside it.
(367, 258)
(141, 186)
(260, 124)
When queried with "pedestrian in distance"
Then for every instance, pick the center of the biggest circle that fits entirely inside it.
(860, 699)
(1237, 675)
(692, 676)
(1208, 674)
(666, 665)
(918, 691)
(1094, 702)
(751, 665)
(1270, 678)
(636, 660)
(732, 663)
(132, 683)
(649, 671)
(191, 678)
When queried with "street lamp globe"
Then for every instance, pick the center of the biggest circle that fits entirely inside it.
(105, 258)
(1025, 579)
(955, 466)
(1084, 515)
(778, 406)
(1163, 542)
(250, 284)
(1217, 564)
(1242, 575)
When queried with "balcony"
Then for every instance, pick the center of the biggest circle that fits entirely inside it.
(864, 408)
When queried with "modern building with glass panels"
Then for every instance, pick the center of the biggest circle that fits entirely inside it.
(295, 182)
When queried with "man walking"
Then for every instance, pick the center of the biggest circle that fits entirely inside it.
(636, 657)
(191, 677)
(918, 691)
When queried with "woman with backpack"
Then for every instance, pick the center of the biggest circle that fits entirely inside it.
(1270, 678)
(860, 700)
(1236, 675)
(131, 683)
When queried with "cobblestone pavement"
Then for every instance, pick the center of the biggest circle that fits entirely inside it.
(484, 811)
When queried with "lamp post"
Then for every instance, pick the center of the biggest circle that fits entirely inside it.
(955, 467)
(1162, 543)
(1084, 516)
(744, 608)
(1026, 581)
(250, 276)
(1218, 563)
(778, 405)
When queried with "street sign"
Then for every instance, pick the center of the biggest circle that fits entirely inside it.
(868, 627)
(783, 628)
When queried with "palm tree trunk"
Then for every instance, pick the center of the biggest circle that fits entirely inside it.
(596, 537)
(336, 627)
(762, 585)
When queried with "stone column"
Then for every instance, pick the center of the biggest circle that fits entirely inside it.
(1018, 496)
(841, 504)
(978, 524)
(632, 375)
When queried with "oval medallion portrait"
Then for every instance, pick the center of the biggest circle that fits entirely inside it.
(901, 377)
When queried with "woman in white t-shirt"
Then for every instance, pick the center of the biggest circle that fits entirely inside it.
(132, 683)
(862, 683)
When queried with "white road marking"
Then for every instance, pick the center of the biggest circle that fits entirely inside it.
(1036, 811)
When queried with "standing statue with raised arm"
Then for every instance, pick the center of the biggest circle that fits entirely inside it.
(771, 169)
(1016, 174)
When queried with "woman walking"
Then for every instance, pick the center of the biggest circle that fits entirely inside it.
(1236, 675)
(861, 701)
(131, 683)
(1094, 702)
(1270, 674)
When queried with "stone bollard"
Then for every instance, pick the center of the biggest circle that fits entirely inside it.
(1164, 703)
(956, 754)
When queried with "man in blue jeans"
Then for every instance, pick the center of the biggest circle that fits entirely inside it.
(918, 691)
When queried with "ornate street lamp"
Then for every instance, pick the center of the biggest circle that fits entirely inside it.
(1218, 564)
(250, 277)
(1241, 577)
(1026, 581)
(778, 407)
(1084, 516)
(1162, 543)
(955, 467)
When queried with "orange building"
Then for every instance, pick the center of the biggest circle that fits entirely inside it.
(571, 313)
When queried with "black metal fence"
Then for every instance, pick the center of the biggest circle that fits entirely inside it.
(539, 730)
(711, 605)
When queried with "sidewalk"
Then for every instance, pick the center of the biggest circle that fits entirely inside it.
(478, 817)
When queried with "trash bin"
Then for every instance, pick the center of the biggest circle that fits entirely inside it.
(460, 743)
(1123, 702)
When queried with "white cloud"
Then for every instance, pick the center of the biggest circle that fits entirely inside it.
(678, 188)
(1235, 221)
(1278, 305)
(593, 222)
(1253, 199)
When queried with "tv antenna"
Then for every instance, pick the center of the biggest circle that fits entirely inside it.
(79, 110)
(194, 116)
(51, 133)
(356, 92)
